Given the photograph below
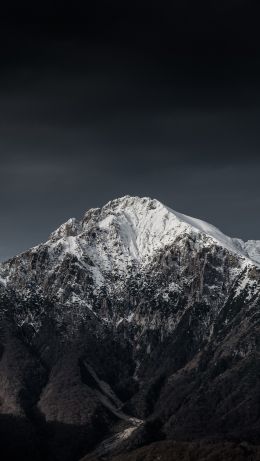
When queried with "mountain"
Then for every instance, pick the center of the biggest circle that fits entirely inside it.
(134, 325)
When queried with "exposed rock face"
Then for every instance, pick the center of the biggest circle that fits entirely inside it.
(202, 451)
(136, 320)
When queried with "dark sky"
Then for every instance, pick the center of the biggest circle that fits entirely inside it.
(143, 99)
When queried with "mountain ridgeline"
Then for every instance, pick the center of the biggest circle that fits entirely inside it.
(130, 334)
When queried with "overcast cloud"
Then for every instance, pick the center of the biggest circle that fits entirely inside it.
(84, 120)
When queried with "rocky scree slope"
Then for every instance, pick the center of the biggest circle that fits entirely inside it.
(135, 324)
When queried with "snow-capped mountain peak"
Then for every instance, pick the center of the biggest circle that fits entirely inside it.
(134, 304)
(134, 228)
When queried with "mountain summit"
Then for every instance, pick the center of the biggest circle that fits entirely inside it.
(145, 225)
(135, 324)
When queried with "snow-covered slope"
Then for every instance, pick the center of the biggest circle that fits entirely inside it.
(252, 247)
(142, 226)
(133, 229)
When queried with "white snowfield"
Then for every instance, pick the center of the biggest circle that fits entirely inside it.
(130, 231)
(133, 229)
